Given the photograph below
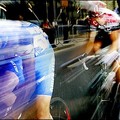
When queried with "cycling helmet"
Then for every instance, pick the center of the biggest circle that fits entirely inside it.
(92, 7)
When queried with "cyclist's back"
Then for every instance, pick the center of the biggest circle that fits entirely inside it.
(107, 20)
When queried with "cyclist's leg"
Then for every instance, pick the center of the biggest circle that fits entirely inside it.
(116, 65)
(102, 40)
(97, 46)
(43, 107)
(29, 112)
(118, 75)
(114, 37)
(39, 108)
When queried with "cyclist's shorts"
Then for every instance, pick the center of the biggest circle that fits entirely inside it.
(104, 38)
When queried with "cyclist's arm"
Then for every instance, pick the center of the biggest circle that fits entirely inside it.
(114, 35)
(90, 43)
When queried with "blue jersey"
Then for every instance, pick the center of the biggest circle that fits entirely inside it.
(25, 51)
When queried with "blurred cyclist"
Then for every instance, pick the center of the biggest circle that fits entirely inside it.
(101, 21)
(26, 71)
(104, 30)
(42, 61)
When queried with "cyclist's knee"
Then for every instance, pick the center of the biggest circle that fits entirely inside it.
(43, 107)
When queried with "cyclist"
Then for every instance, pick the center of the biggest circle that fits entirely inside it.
(42, 61)
(101, 21)
(104, 30)
(26, 66)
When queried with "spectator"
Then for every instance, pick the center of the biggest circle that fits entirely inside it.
(50, 31)
(64, 18)
(117, 10)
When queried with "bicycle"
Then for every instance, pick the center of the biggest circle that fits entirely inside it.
(101, 86)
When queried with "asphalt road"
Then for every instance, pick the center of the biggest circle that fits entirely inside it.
(72, 84)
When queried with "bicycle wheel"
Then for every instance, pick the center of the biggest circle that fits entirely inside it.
(59, 109)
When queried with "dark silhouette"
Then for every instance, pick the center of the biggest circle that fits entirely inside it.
(64, 18)
(117, 10)
(49, 30)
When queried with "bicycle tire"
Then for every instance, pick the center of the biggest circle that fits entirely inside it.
(59, 109)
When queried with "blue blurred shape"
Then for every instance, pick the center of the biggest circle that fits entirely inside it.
(21, 44)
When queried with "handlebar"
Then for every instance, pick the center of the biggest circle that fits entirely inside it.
(78, 58)
(78, 61)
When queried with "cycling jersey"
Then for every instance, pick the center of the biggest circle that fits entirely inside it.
(42, 55)
(25, 50)
(37, 56)
(111, 21)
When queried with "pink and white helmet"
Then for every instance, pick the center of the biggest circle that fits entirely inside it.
(92, 6)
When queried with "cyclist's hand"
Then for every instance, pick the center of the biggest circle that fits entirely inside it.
(83, 60)
(84, 55)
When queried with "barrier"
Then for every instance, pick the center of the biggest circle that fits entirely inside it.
(60, 33)
(75, 33)
(78, 31)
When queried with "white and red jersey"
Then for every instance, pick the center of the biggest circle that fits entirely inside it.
(110, 18)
